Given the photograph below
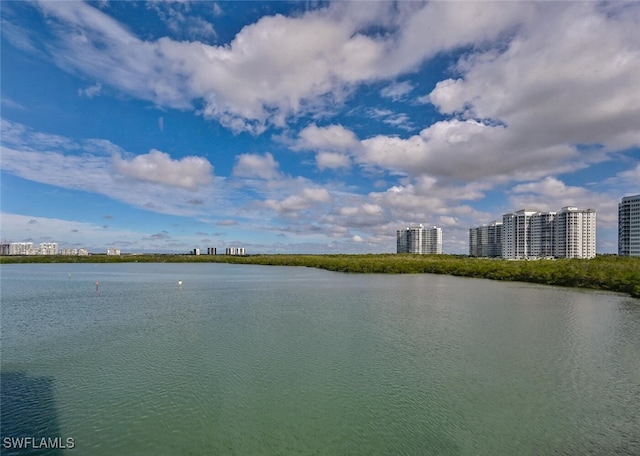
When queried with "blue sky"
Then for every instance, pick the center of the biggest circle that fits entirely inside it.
(311, 127)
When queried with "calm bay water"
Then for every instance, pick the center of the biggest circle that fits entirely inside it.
(277, 360)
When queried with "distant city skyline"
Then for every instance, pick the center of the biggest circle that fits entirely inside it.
(311, 127)
(53, 248)
(28, 248)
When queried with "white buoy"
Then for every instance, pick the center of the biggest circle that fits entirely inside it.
(179, 283)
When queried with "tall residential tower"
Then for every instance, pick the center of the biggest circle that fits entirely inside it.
(629, 226)
(516, 234)
(570, 233)
(420, 240)
(486, 240)
(575, 233)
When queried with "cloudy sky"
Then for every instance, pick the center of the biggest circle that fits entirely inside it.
(311, 127)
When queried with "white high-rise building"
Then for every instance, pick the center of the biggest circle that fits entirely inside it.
(570, 233)
(235, 251)
(543, 235)
(473, 242)
(516, 235)
(419, 240)
(629, 226)
(48, 248)
(486, 240)
(21, 248)
(575, 233)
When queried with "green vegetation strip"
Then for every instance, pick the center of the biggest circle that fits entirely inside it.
(605, 272)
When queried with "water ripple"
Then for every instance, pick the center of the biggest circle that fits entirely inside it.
(296, 361)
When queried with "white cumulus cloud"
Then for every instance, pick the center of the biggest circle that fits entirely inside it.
(254, 165)
(305, 199)
(335, 138)
(568, 77)
(332, 160)
(159, 168)
(551, 194)
(277, 67)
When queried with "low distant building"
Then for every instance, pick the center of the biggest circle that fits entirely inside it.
(195, 251)
(235, 251)
(72, 251)
(113, 251)
(211, 250)
(419, 240)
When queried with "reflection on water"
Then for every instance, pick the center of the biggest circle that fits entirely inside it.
(271, 360)
(27, 408)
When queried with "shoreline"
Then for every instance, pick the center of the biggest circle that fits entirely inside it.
(605, 272)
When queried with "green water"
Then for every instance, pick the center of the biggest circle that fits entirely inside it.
(276, 361)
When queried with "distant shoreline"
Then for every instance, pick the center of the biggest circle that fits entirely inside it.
(607, 272)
